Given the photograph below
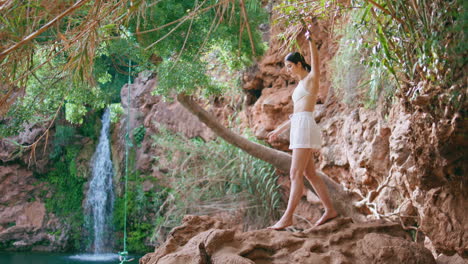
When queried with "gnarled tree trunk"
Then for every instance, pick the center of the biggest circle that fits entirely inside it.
(342, 200)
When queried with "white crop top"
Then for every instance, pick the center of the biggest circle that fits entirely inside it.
(299, 92)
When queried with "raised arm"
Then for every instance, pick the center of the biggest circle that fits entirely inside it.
(312, 79)
(314, 58)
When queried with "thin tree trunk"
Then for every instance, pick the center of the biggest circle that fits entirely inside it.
(246, 18)
(342, 200)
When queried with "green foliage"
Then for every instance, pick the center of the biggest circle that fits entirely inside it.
(293, 12)
(53, 85)
(66, 179)
(409, 49)
(415, 43)
(184, 76)
(140, 207)
(90, 70)
(75, 34)
(8, 244)
(358, 74)
(63, 136)
(139, 134)
(298, 16)
(135, 238)
(46, 92)
(210, 177)
(57, 233)
(66, 187)
(117, 62)
(199, 28)
(75, 112)
(90, 128)
(116, 110)
(182, 46)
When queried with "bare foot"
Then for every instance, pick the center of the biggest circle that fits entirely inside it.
(328, 215)
(281, 224)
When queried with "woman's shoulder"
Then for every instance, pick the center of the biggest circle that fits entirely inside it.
(310, 80)
(307, 80)
(311, 77)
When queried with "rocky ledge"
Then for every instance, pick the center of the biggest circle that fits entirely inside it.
(202, 239)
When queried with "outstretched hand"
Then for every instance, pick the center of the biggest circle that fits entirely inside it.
(308, 34)
(272, 136)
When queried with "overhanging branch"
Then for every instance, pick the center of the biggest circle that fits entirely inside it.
(33, 35)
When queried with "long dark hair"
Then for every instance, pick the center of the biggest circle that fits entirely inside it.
(296, 57)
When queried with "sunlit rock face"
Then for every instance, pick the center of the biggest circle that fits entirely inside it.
(201, 239)
(430, 173)
(366, 153)
(10, 153)
(152, 111)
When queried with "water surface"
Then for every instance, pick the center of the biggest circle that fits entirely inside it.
(57, 258)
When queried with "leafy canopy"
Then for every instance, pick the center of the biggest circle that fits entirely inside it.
(78, 55)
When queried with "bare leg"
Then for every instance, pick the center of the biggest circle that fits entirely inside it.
(322, 191)
(300, 158)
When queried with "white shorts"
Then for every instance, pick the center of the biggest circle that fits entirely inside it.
(305, 133)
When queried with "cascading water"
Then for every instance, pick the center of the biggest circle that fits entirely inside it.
(100, 197)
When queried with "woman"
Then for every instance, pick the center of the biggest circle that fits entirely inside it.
(305, 135)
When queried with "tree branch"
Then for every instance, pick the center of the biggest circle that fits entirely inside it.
(386, 11)
(244, 13)
(42, 29)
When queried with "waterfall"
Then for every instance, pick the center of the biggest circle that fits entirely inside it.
(100, 196)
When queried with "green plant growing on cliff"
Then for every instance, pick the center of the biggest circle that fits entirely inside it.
(68, 175)
(139, 134)
(5, 245)
(358, 75)
(139, 203)
(63, 136)
(140, 210)
(116, 110)
(90, 127)
(419, 44)
(67, 193)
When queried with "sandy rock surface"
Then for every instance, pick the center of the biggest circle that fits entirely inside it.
(201, 239)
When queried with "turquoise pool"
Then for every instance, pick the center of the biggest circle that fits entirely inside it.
(56, 258)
